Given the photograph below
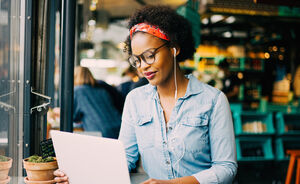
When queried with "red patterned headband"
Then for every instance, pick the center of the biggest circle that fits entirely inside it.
(147, 28)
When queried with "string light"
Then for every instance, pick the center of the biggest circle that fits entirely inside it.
(240, 75)
(267, 55)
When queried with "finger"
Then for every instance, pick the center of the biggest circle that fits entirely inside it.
(149, 181)
(145, 182)
(61, 179)
(58, 173)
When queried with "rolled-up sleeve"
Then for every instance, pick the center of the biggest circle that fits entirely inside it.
(127, 135)
(222, 143)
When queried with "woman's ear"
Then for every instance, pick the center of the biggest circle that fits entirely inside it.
(176, 51)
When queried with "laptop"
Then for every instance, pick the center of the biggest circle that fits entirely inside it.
(90, 159)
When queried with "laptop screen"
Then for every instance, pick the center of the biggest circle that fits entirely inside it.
(90, 159)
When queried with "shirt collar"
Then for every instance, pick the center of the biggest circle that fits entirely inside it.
(192, 88)
(151, 90)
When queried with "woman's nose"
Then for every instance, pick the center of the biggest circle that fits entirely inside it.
(144, 64)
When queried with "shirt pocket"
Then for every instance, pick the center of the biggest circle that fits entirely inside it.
(145, 133)
(195, 133)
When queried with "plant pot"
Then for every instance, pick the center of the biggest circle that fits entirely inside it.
(40, 171)
(5, 181)
(38, 182)
(4, 170)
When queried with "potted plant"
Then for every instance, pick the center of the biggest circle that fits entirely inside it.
(5, 165)
(39, 170)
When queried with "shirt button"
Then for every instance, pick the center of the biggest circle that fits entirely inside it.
(170, 128)
(168, 162)
(164, 142)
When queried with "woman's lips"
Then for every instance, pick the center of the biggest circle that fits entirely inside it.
(149, 75)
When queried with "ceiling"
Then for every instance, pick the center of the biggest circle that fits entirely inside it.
(251, 19)
(124, 8)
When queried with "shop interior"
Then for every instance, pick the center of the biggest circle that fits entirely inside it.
(257, 41)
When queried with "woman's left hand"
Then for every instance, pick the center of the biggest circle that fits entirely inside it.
(154, 181)
(182, 180)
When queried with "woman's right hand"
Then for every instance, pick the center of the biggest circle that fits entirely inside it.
(60, 177)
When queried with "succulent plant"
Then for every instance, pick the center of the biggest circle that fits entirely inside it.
(39, 159)
(3, 158)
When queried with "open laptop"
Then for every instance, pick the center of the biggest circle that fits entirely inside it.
(90, 159)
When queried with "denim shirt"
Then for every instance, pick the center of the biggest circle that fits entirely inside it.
(197, 141)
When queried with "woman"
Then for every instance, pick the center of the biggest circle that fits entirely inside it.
(181, 127)
(93, 105)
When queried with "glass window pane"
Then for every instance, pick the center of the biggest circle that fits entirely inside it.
(11, 83)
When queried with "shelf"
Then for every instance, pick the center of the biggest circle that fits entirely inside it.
(245, 70)
(250, 92)
(288, 124)
(236, 107)
(253, 123)
(251, 99)
(210, 63)
(254, 149)
(286, 143)
(281, 108)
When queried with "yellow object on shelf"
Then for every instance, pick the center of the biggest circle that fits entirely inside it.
(281, 91)
(255, 127)
(207, 50)
(236, 50)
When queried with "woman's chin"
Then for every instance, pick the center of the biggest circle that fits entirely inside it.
(153, 82)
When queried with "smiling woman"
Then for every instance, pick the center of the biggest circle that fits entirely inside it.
(182, 128)
(180, 140)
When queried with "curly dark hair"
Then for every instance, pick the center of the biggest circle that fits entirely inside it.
(174, 25)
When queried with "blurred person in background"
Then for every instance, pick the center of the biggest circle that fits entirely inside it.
(132, 80)
(93, 105)
(142, 81)
(116, 95)
(129, 77)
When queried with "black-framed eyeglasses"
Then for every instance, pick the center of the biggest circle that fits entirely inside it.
(147, 56)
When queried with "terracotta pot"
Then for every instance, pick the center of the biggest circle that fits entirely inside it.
(40, 171)
(4, 170)
(5, 181)
(38, 182)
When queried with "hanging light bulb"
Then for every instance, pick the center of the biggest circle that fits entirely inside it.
(267, 55)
